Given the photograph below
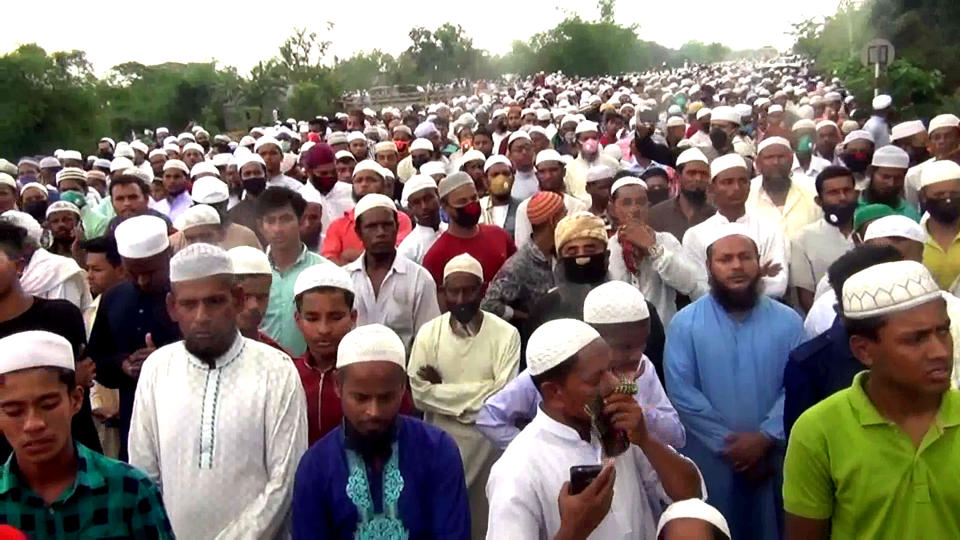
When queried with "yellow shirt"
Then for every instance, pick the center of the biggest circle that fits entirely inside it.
(944, 265)
(798, 210)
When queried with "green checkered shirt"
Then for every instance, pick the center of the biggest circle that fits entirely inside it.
(108, 499)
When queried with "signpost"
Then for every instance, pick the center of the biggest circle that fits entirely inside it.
(878, 53)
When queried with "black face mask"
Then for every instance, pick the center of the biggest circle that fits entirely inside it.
(719, 138)
(105, 154)
(857, 162)
(695, 196)
(839, 214)
(255, 186)
(943, 210)
(918, 154)
(582, 270)
(418, 162)
(465, 312)
(656, 195)
(467, 215)
(37, 209)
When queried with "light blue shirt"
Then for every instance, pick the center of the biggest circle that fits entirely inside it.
(278, 321)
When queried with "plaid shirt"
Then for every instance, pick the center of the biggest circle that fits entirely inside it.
(108, 499)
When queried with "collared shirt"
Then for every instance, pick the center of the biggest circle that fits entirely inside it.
(342, 235)
(108, 499)
(282, 180)
(517, 403)
(849, 464)
(944, 265)
(225, 456)
(668, 217)
(798, 210)
(524, 229)
(814, 248)
(521, 281)
(278, 321)
(335, 203)
(771, 244)
(816, 166)
(173, 207)
(525, 482)
(407, 298)
(418, 242)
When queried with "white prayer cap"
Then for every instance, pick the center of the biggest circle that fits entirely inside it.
(555, 341)
(337, 137)
(891, 156)
(881, 102)
(728, 229)
(35, 185)
(222, 160)
(199, 214)
(774, 109)
(613, 150)
(371, 201)
(499, 113)
(586, 126)
(693, 509)
(7, 180)
(157, 152)
(371, 343)
(123, 150)
(627, 181)
(453, 182)
(421, 144)
(827, 123)
(356, 136)
(35, 349)
(385, 146)
(140, 237)
(543, 115)
(250, 260)
(71, 154)
(198, 261)
(895, 226)
(368, 165)
(615, 302)
(773, 141)
(141, 146)
(345, 154)
(204, 167)
(691, 154)
(497, 158)
(600, 172)
(463, 263)
(171, 147)
(49, 163)
(519, 134)
(858, 135)
(906, 129)
(725, 162)
(675, 121)
(887, 288)
(939, 171)
(704, 111)
(265, 140)
(26, 222)
(247, 140)
(120, 163)
(62, 206)
(802, 124)
(323, 275)
(250, 157)
(725, 113)
(549, 154)
(431, 168)
(942, 121)
(415, 184)
(471, 155)
(175, 164)
(192, 146)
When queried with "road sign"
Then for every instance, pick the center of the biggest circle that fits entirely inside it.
(877, 52)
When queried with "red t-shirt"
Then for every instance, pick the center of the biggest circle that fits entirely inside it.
(492, 246)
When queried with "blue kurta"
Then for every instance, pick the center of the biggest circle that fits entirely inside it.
(726, 376)
(432, 503)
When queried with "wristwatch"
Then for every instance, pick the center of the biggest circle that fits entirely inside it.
(655, 251)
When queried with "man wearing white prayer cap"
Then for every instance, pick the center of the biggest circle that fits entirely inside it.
(253, 273)
(550, 172)
(421, 198)
(599, 181)
(778, 196)
(451, 395)
(270, 150)
(571, 367)
(519, 149)
(940, 197)
(887, 172)
(877, 124)
(41, 397)
(62, 219)
(856, 153)
(200, 224)
(884, 307)
(214, 194)
(730, 401)
(433, 501)
(944, 142)
(176, 175)
(690, 206)
(911, 136)
(249, 397)
(692, 519)
(191, 154)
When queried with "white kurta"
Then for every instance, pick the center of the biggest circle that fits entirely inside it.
(223, 444)
(416, 244)
(337, 202)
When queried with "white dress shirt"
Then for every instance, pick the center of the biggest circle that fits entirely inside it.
(523, 229)
(283, 180)
(817, 165)
(525, 184)
(415, 245)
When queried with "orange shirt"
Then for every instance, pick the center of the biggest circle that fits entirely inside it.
(342, 235)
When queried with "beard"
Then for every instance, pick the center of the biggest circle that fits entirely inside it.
(369, 445)
(890, 199)
(733, 300)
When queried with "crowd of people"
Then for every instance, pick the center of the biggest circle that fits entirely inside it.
(709, 302)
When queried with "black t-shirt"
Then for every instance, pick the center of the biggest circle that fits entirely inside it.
(62, 318)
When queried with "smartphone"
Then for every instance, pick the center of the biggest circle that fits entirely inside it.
(581, 476)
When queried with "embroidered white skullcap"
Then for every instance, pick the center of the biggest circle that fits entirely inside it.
(247, 141)
(356, 136)
(586, 126)
(157, 152)
(675, 121)
(209, 190)
(198, 261)
(175, 164)
(204, 167)
(185, 136)
(555, 341)
(693, 509)
(519, 134)
(691, 154)
(858, 135)
(827, 123)
(385, 146)
(463, 263)
(323, 275)
(71, 154)
(200, 214)
(906, 129)
(726, 162)
(371, 201)
(728, 229)
(344, 154)
(416, 183)
(35, 349)
(549, 154)
(62, 206)
(248, 158)
(600, 172)
(337, 137)
(471, 155)
(615, 302)
(192, 146)
(371, 343)
(49, 163)
(802, 124)
(35, 185)
(497, 158)
(369, 165)
(773, 141)
(725, 113)
(891, 156)
(895, 226)
(881, 102)
(704, 111)
(26, 222)
(452, 182)
(265, 140)
(7, 180)
(627, 181)
(123, 150)
(888, 288)
(250, 260)
(140, 237)
(431, 168)
(939, 171)
(421, 144)
(942, 121)
(171, 147)
(120, 163)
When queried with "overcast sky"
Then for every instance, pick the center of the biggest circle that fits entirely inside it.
(241, 33)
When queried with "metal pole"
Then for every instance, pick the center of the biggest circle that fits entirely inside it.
(876, 79)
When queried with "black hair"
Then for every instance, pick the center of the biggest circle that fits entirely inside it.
(106, 245)
(851, 262)
(12, 239)
(348, 296)
(482, 130)
(654, 171)
(277, 198)
(126, 180)
(831, 171)
(622, 173)
(557, 373)
(613, 115)
(65, 376)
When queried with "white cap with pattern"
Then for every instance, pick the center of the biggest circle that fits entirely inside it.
(198, 261)
(371, 343)
(555, 341)
(140, 237)
(888, 288)
(615, 302)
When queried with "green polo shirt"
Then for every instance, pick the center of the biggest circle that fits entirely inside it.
(903, 209)
(847, 463)
(278, 321)
(108, 499)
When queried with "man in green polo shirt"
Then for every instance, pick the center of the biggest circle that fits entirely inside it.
(53, 486)
(887, 171)
(879, 459)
